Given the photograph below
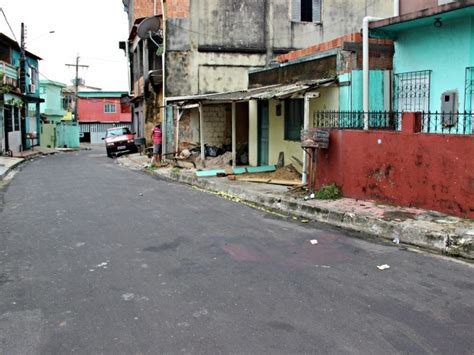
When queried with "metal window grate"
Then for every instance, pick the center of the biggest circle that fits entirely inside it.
(469, 90)
(412, 91)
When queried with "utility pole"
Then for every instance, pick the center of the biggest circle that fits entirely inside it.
(23, 85)
(76, 83)
(22, 60)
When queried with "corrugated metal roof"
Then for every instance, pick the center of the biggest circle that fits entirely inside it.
(279, 91)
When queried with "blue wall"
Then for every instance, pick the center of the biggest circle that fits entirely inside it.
(446, 51)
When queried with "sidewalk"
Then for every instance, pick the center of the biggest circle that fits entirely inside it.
(426, 229)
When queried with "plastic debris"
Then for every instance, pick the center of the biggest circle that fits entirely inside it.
(383, 267)
(304, 221)
(140, 194)
(396, 240)
(312, 196)
(314, 242)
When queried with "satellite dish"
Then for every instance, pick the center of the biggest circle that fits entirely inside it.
(148, 27)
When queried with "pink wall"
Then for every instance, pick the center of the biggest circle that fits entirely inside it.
(430, 171)
(92, 110)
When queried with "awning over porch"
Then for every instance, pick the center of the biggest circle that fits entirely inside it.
(278, 91)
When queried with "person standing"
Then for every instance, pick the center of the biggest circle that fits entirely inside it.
(156, 136)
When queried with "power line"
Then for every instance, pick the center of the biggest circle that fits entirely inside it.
(8, 23)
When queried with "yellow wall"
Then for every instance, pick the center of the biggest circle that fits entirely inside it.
(328, 100)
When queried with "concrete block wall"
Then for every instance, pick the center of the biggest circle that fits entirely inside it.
(215, 125)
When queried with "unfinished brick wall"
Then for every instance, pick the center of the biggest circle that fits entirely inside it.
(177, 8)
(144, 8)
(216, 132)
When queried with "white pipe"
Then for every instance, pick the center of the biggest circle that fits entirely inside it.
(201, 132)
(396, 8)
(234, 134)
(163, 85)
(307, 97)
(365, 66)
(154, 7)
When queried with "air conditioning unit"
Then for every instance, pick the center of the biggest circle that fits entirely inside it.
(32, 88)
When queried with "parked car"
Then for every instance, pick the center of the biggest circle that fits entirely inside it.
(119, 140)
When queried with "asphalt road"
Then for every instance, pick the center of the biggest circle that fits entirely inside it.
(95, 258)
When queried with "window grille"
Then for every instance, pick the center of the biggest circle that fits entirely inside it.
(469, 90)
(412, 91)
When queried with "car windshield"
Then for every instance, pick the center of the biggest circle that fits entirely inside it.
(118, 131)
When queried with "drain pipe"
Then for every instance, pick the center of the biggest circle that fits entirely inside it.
(396, 8)
(365, 65)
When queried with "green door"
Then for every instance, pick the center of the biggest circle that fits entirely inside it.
(263, 127)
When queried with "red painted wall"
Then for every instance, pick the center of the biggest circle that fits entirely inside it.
(430, 171)
(92, 110)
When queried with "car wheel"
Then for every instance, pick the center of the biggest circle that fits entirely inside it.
(109, 153)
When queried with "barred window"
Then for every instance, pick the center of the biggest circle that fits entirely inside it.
(469, 90)
(412, 91)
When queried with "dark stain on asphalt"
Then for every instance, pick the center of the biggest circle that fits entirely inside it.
(164, 247)
(281, 326)
(4, 278)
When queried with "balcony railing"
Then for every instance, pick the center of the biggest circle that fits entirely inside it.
(10, 74)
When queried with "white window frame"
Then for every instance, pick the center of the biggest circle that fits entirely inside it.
(114, 106)
(295, 11)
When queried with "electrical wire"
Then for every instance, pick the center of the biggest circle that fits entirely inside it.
(8, 23)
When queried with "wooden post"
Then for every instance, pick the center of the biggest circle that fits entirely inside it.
(234, 134)
(201, 132)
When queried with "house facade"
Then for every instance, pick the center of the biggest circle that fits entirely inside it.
(58, 129)
(20, 111)
(99, 110)
(209, 45)
(433, 64)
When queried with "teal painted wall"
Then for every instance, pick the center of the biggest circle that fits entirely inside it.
(351, 96)
(52, 95)
(446, 51)
(67, 135)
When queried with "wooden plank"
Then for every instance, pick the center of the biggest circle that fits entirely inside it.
(272, 181)
(261, 169)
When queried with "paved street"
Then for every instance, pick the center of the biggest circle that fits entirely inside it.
(95, 258)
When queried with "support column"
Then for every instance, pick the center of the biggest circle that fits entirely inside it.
(201, 132)
(234, 134)
(253, 132)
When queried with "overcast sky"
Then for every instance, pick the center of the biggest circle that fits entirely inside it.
(90, 28)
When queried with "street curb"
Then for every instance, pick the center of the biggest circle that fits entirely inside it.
(11, 168)
(22, 162)
(441, 239)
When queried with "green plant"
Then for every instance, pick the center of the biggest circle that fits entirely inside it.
(329, 192)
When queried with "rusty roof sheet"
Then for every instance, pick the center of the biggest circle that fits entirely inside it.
(279, 91)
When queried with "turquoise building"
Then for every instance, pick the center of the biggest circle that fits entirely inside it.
(57, 128)
(434, 65)
(19, 112)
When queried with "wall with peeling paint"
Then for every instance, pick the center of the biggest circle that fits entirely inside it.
(430, 171)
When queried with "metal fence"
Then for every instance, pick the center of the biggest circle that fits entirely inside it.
(355, 119)
(448, 122)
